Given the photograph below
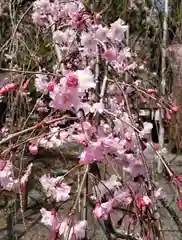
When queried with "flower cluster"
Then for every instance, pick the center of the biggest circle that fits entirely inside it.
(89, 101)
(56, 188)
(8, 181)
(66, 227)
(81, 41)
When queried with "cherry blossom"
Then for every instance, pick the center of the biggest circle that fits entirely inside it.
(67, 230)
(159, 193)
(117, 30)
(55, 188)
(72, 81)
(103, 210)
(97, 107)
(92, 60)
(41, 83)
(88, 42)
(49, 219)
(33, 149)
(123, 196)
(8, 88)
(143, 201)
(94, 152)
(150, 91)
(147, 128)
(78, 20)
(174, 108)
(86, 79)
(104, 187)
(110, 54)
(8, 181)
(179, 203)
(50, 86)
(101, 33)
(65, 100)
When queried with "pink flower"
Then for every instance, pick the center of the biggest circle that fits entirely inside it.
(150, 91)
(110, 54)
(104, 187)
(10, 184)
(39, 19)
(117, 30)
(174, 108)
(50, 86)
(135, 168)
(103, 210)
(41, 107)
(88, 128)
(148, 236)
(101, 33)
(4, 90)
(11, 86)
(66, 100)
(33, 149)
(156, 148)
(97, 107)
(80, 229)
(41, 83)
(179, 178)
(26, 84)
(147, 128)
(55, 188)
(6, 168)
(179, 203)
(72, 231)
(7, 181)
(123, 197)
(123, 54)
(78, 20)
(61, 192)
(88, 41)
(94, 152)
(128, 136)
(72, 81)
(7, 88)
(143, 201)
(86, 79)
(49, 219)
(159, 194)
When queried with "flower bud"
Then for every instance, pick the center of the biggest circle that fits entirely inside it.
(179, 203)
(156, 148)
(72, 81)
(25, 85)
(84, 143)
(33, 149)
(174, 108)
(128, 137)
(50, 86)
(179, 178)
(97, 19)
(150, 91)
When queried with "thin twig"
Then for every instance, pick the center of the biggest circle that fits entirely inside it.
(29, 72)
(11, 136)
(80, 189)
